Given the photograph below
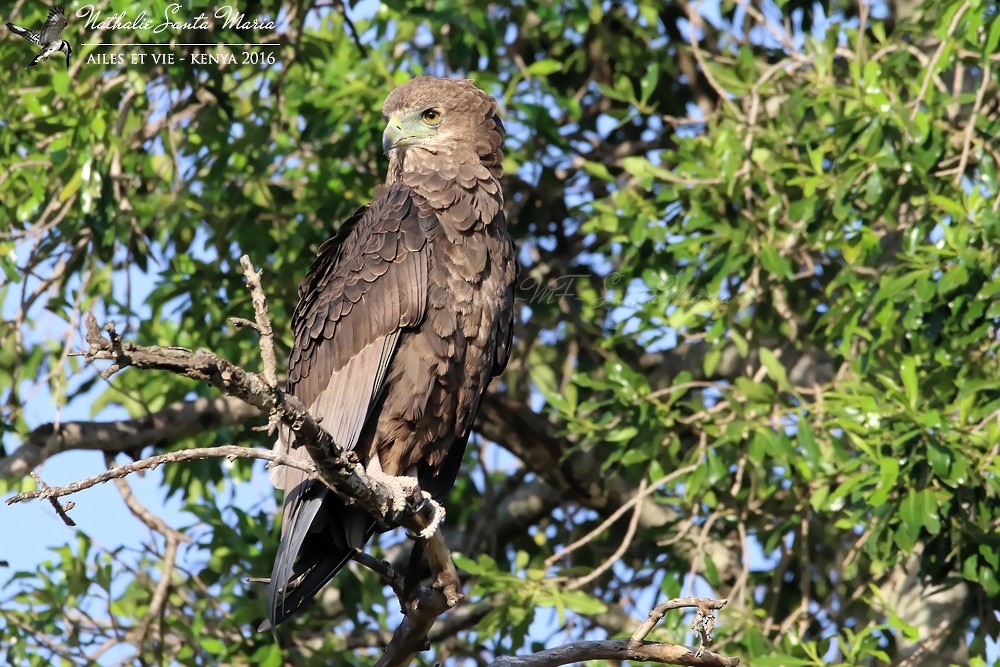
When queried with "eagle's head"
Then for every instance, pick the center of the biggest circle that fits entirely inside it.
(443, 116)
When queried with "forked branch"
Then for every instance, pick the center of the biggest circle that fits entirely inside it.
(636, 647)
(339, 470)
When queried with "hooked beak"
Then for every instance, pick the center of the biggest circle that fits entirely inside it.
(401, 132)
(392, 136)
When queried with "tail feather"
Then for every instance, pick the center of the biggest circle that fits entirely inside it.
(319, 538)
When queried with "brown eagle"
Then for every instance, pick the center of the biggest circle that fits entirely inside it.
(402, 322)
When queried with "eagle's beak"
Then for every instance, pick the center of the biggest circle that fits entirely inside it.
(405, 131)
(390, 138)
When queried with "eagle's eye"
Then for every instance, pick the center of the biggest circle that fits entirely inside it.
(431, 116)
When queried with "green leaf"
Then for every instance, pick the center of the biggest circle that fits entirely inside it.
(908, 372)
(952, 207)
(775, 368)
(544, 67)
(583, 603)
(888, 474)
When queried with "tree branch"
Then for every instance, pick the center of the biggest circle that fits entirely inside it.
(617, 649)
(339, 470)
(152, 462)
(635, 647)
(443, 594)
(263, 326)
(176, 421)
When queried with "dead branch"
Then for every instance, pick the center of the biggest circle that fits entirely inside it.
(263, 322)
(609, 562)
(170, 424)
(706, 607)
(262, 327)
(341, 471)
(56, 505)
(604, 525)
(635, 647)
(444, 593)
(618, 649)
(153, 462)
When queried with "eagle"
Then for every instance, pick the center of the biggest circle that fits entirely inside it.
(49, 37)
(402, 322)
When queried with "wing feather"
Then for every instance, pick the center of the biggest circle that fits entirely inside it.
(368, 284)
(54, 24)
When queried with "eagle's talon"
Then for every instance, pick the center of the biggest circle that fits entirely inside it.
(437, 517)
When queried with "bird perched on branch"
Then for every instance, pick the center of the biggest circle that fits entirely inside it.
(402, 322)
(49, 37)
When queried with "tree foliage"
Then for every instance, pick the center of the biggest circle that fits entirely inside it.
(759, 249)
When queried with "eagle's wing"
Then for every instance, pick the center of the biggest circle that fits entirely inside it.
(367, 285)
(54, 24)
(30, 35)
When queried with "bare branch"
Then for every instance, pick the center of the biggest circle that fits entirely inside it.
(421, 612)
(263, 321)
(170, 424)
(618, 649)
(622, 548)
(633, 648)
(341, 471)
(636, 499)
(56, 505)
(224, 451)
(704, 605)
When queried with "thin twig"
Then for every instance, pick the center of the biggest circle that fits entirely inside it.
(342, 10)
(384, 569)
(970, 126)
(264, 329)
(935, 58)
(223, 451)
(59, 508)
(625, 544)
(151, 521)
(695, 21)
(638, 497)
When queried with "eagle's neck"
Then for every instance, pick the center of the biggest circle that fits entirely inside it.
(395, 173)
(417, 166)
(457, 184)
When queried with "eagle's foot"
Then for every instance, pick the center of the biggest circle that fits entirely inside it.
(400, 488)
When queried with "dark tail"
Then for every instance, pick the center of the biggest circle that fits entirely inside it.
(321, 536)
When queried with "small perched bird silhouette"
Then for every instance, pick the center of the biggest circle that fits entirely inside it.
(49, 37)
